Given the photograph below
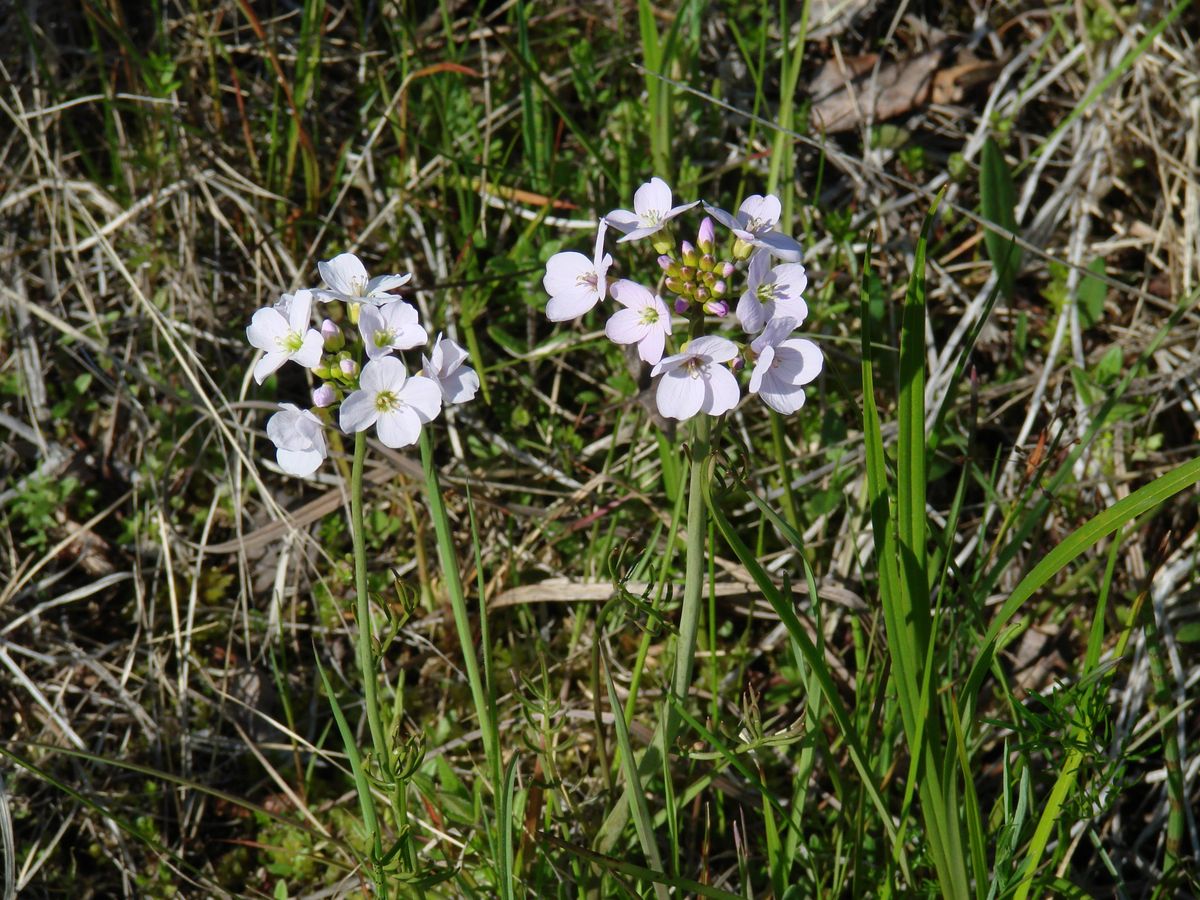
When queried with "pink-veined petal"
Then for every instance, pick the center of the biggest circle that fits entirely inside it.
(679, 395)
(722, 392)
(358, 411)
(398, 427)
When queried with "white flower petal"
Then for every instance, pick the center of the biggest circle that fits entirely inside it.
(344, 274)
(268, 364)
(750, 313)
(804, 360)
(653, 197)
(299, 312)
(722, 392)
(563, 271)
(784, 402)
(625, 326)
(713, 347)
(358, 411)
(387, 374)
(570, 306)
(762, 366)
(762, 210)
(266, 328)
(640, 233)
(623, 220)
(631, 294)
(780, 245)
(423, 395)
(383, 284)
(309, 354)
(461, 386)
(679, 395)
(398, 427)
(299, 462)
(721, 216)
(650, 347)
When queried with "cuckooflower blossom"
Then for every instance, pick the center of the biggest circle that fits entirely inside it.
(394, 403)
(390, 327)
(458, 382)
(299, 439)
(695, 380)
(783, 366)
(644, 321)
(756, 222)
(347, 280)
(771, 293)
(285, 336)
(575, 283)
(651, 211)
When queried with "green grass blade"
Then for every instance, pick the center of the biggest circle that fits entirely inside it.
(361, 785)
(633, 782)
(507, 853)
(998, 201)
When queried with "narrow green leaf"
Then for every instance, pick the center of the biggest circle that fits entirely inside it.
(505, 825)
(998, 199)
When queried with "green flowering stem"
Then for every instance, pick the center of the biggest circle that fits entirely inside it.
(458, 603)
(366, 653)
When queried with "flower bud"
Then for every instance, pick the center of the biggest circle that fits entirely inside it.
(688, 252)
(664, 262)
(662, 243)
(322, 371)
(348, 367)
(738, 364)
(334, 341)
(742, 250)
(323, 396)
(681, 305)
(702, 294)
(674, 285)
(687, 273)
(707, 263)
(717, 308)
(726, 270)
(707, 236)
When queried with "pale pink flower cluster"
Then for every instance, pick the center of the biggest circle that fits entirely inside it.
(377, 392)
(703, 375)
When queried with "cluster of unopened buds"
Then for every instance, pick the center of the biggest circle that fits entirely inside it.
(703, 375)
(371, 384)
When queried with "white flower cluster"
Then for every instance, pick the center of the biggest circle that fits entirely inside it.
(702, 377)
(380, 392)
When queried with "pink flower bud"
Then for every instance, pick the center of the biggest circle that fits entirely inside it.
(324, 395)
(349, 367)
(332, 336)
(707, 263)
(727, 270)
(738, 364)
(707, 236)
(681, 305)
(664, 262)
(719, 288)
(717, 308)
